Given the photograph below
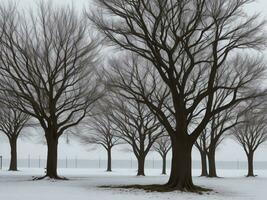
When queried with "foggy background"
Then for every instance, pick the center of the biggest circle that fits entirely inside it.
(34, 148)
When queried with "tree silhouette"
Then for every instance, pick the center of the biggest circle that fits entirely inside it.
(251, 133)
(196, 48)
(48, 62)
(163, 146)
(12, 121)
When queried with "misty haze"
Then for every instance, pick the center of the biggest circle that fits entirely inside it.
(138, 99)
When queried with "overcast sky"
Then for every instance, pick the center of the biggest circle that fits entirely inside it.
(228, 151)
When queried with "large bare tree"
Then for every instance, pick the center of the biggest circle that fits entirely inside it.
(198, 49)
(12, 121)
(47, 61)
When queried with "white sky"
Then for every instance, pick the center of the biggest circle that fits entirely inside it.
(229, 150)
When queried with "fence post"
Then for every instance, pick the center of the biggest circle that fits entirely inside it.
(66, 162)
(76, 162)
(39, 162)
(1, 162)
(29, 161)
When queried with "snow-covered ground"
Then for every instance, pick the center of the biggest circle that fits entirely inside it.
(83, 185)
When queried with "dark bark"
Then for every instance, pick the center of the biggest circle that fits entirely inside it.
(109, 160)
(141, 166)
(181, 174)
(212, 164)
(52, 150)
(250, 156)
(13, 158)
(204, 170)
(164, 164)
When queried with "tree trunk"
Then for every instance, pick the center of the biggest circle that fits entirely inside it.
(109, 160)
(13, 158)
(204, 170)
(51, 165)
(164, 164)
(141, 166)
(181, 169)
(212, 164)
(250, 164)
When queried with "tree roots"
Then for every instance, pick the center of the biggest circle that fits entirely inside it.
(162, 188)
(50, 177)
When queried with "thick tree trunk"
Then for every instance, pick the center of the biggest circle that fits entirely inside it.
(13, 158)
(141, 166)
(250, 164)
(51, 165)
(181, 169)
(164, 164)
(204, 170)
(109, 160)
(212, 164)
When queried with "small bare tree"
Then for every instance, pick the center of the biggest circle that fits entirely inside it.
(201, 145)
(251, 134)
(137, 126)
(101, 131)
(48, 62)
(12, 121)
(219, 128)
(163, 146)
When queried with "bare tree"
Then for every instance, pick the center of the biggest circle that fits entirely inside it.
(163, 146)
(101, 131)
(48, 62)
(12, 121)
(219, 128)
(201, 145)
(251, 134)
(137, 126)
(195, 46)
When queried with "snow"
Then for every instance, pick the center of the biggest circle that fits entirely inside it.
(83, 185)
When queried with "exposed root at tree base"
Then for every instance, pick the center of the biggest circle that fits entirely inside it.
(162, 188)
(48, 177)
(251, 176)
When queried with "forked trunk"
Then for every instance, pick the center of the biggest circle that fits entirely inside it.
(141, 166)
(204, 170)
(13, 158)
(212, 164)
(109, 160)
(51, 165)
(164, 164)
(250, 164)
(181, 174)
